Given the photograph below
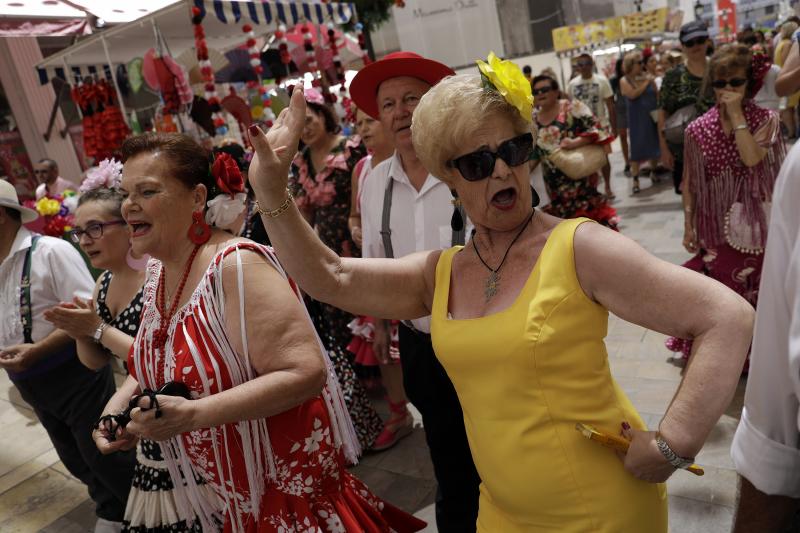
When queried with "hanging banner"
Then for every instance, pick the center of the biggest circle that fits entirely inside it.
(726, 10)
(585, 35)
(645, 23)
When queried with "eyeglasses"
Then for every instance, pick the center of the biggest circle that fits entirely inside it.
(93, 230)
(585, 63)
(733, 82)
(479, 164)
(541, 91)
(691, 43)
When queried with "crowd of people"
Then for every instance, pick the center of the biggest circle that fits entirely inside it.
(249, 293)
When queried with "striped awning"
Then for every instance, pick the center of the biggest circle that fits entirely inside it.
(73, 74)
(264, 12)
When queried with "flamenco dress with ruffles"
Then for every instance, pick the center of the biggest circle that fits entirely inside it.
(283, 473)
(732, 202)
(326, 194)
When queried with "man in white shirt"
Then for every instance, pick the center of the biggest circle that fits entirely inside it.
(766, 447)
(37, 273)
(595, 91)
(50, 183)
(404, 209)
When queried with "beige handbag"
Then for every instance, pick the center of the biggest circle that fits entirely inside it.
(580, 162)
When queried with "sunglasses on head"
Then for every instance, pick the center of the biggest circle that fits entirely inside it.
(479, 164)
(542, 90)
(733, 82)
(691, 43)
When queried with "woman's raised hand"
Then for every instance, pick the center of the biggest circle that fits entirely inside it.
(274, 151)
(77, 318)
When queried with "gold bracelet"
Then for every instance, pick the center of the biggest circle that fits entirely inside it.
(279, 211)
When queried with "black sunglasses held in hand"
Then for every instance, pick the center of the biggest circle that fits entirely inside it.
(479, 164)
(111, 423)
(734, 82)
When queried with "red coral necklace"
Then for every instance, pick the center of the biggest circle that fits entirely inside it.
(160, 337)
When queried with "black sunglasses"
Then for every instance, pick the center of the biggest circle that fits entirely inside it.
(542, 90)
(585, 63)
(691, 43)
(733, 82)
(110, 423)
(479, 164)
(94, 230)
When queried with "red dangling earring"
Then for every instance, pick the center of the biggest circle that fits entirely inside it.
(199, 231)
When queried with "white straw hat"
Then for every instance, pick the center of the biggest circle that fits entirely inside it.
(9, 199)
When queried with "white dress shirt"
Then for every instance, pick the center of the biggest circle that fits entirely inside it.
(420, 220)
(58, 273)
(766, 447)
(57, 189)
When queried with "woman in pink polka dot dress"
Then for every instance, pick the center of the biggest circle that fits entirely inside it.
(733, 155)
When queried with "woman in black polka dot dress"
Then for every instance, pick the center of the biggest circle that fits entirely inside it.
(103, 236)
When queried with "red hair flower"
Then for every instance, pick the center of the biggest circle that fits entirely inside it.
(227, 175)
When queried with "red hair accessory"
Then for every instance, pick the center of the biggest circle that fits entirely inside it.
(227, 175)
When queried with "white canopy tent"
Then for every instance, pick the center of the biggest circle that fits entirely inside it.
(223, 27)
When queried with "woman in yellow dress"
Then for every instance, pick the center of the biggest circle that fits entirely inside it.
(519, 315)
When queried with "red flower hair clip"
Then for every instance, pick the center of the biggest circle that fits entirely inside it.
(227, 175)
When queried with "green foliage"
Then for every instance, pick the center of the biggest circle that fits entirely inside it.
(373, 13)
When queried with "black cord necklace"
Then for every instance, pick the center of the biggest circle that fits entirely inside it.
(493, 281)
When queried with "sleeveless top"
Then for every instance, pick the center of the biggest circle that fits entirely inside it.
(286, 472)
(525, 376)
(127, 321)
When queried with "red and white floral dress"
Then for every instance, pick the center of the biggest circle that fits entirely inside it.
(285, 473)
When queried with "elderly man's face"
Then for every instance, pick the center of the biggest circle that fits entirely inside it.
(397, 99)
(44, 172)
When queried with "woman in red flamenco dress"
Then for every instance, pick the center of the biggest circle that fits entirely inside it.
(262, 425)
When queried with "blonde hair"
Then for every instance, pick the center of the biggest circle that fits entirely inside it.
(630, 60)
(450, 113)
(788, 29)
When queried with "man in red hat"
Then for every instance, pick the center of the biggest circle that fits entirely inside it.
(404, 209)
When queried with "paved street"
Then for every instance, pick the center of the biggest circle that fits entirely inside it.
(37, 493)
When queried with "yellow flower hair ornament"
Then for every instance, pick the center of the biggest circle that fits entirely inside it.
(506, 78)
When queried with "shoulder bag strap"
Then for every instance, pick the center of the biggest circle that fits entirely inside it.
(25, 293)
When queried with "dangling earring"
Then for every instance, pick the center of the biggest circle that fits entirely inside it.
(535, 200)
(199, 231)
(457, 221)
(136, 264)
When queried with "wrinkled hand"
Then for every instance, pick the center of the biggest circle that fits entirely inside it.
(382, 338)
(19, 357)
(177, 415)
(690, 240)
(269, 170)
(644, 460)
(730, 103)
(357, 235)
(77, 319)
(123, 441)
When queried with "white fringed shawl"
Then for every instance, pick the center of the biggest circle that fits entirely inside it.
(193, 498)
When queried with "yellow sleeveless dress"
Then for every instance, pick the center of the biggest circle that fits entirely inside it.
(524, 377)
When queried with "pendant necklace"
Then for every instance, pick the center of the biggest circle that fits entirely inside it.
(493, 281)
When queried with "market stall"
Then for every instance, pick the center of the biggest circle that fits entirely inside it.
(187, 57)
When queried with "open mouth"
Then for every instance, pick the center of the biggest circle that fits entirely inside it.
(505, 199)
(403, 128)
(138, 229)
